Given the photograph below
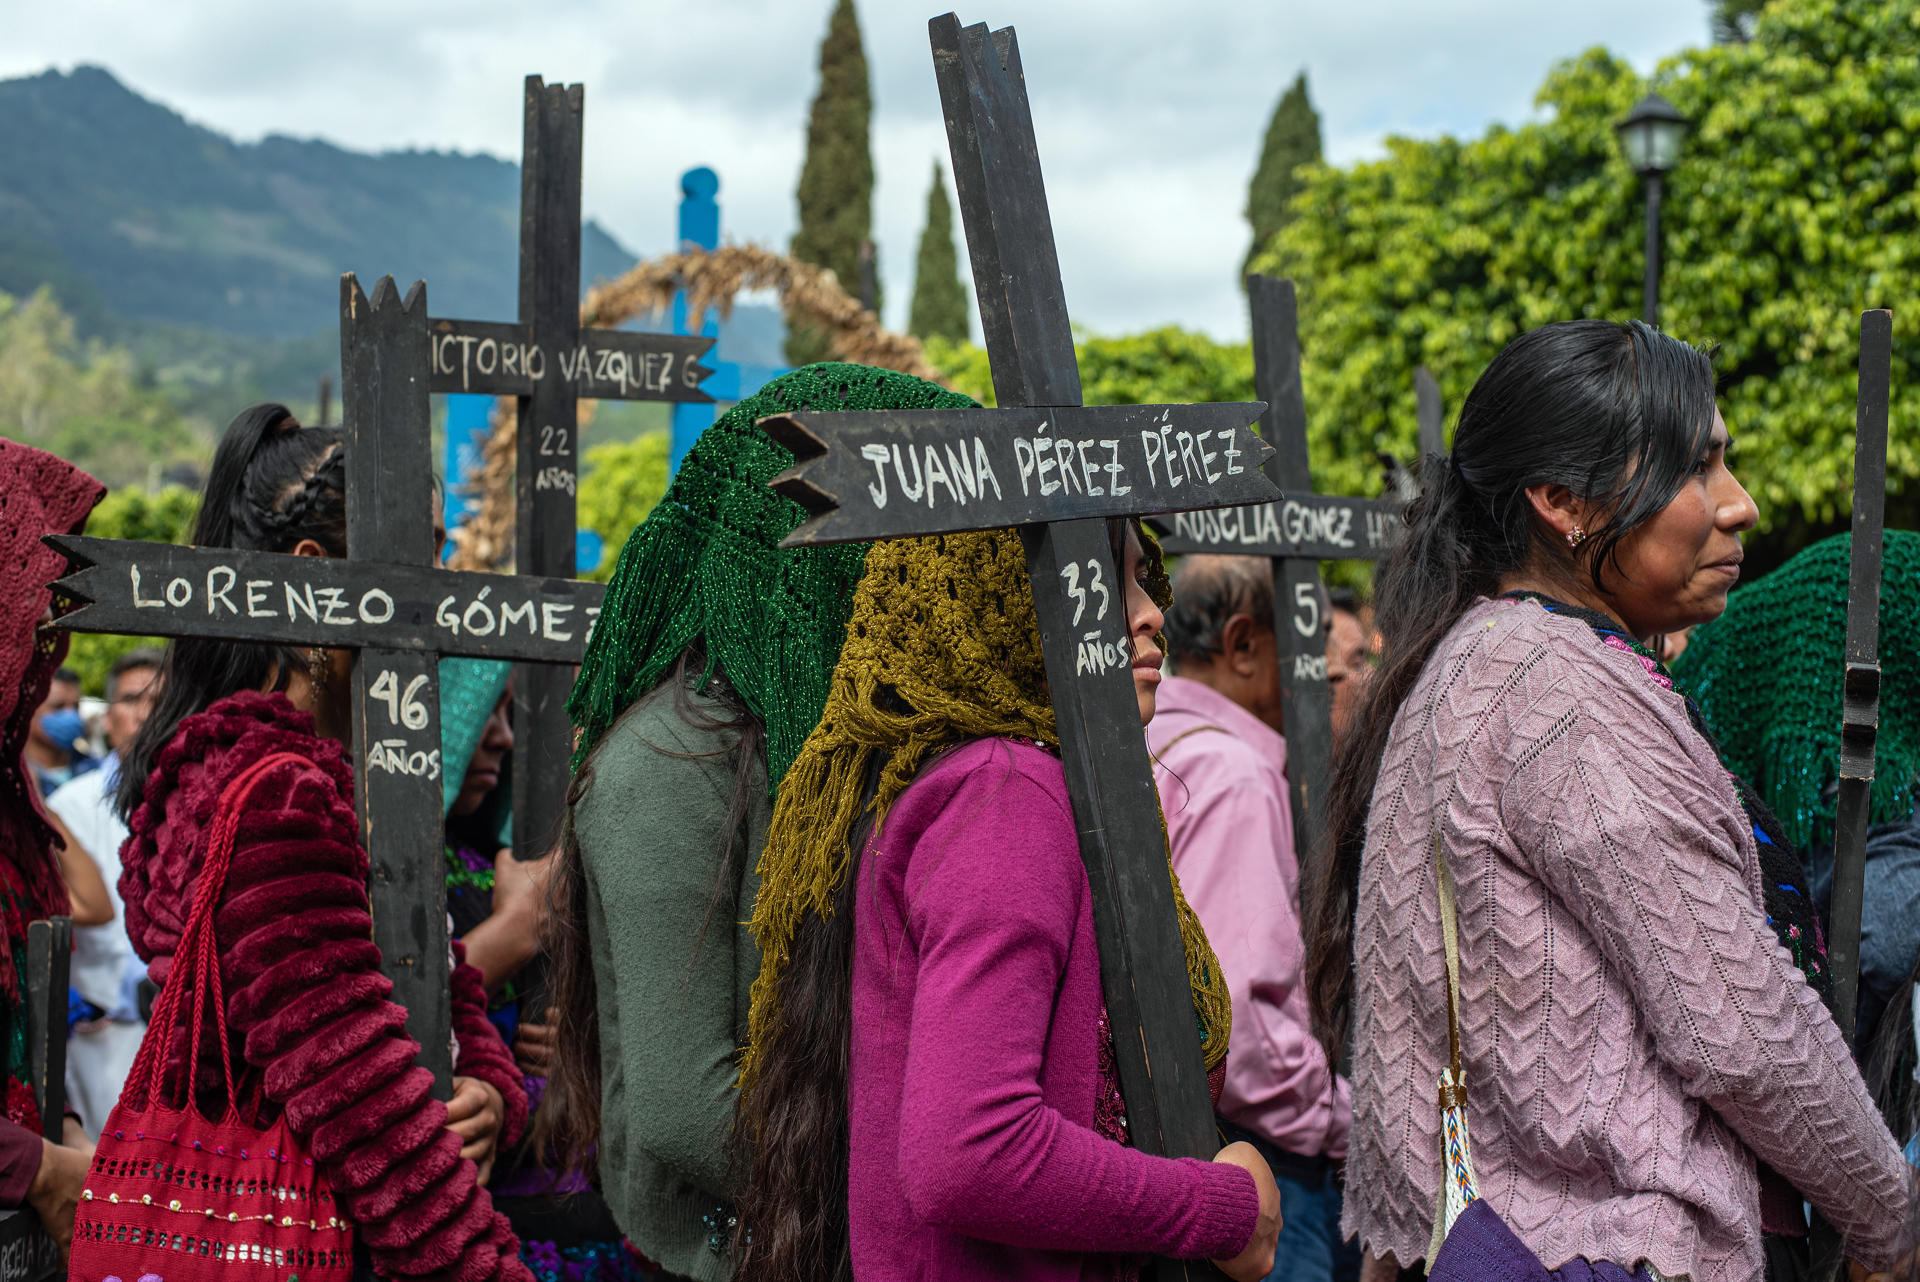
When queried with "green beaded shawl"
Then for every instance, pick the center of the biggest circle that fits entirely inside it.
(706, 568)
(1768, 673)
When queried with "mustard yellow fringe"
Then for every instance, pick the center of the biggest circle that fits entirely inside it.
(943, 647)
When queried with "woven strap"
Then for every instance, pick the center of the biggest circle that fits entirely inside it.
(196, 964)
(1458, 1184)
(1450, 933)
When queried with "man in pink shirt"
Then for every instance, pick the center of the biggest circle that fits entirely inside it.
(1220, 765)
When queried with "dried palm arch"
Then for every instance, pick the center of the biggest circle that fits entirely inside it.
(712, 278)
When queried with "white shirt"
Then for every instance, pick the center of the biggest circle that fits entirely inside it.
(101, 954)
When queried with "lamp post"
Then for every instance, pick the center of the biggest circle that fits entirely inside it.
(1650, 139)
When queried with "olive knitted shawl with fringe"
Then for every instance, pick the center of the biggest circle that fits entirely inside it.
(943, 648)
(706, 567)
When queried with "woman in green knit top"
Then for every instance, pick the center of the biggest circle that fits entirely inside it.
(709, 666)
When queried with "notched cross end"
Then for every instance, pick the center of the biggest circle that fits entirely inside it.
(75, 586)
(807, 449)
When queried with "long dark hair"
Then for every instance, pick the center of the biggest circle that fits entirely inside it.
(566, 1128)
(273, 483)
(1617, 413)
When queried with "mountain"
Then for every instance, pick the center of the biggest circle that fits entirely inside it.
(136, 215)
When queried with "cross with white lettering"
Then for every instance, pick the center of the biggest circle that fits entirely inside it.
(550, 364)
(1055, 469)
(389, 603)
(1297, 532)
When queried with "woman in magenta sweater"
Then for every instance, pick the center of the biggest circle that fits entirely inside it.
(928, 1089)
(313, 1034)
(1651, 1079)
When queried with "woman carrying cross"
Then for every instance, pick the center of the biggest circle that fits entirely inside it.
(245, 761)
(1652, 1080)
(929, 1087)
(708, 667)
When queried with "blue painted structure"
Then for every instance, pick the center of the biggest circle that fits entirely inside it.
(731, 380)
(468, 419)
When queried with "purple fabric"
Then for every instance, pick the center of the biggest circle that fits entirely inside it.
(20, 1151)
(1634, 1035)
(976, 1028)
(1481, 1248)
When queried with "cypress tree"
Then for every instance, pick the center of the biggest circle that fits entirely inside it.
(1293, 139)
(836, 182)
(940, 303)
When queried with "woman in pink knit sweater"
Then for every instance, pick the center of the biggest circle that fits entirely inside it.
(1652, 1081)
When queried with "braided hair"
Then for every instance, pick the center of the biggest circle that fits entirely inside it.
(272, 486)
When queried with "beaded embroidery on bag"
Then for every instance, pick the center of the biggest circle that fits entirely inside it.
(174, 1196)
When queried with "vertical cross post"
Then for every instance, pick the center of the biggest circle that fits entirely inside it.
(548, 439)
(1299, 600)
(1029, 341)
(396, 699)
(1860, 714)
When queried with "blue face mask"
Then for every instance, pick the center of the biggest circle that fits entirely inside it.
(63, 727)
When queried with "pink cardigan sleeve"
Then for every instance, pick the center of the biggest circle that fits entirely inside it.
(1653, 858)
(996, 888)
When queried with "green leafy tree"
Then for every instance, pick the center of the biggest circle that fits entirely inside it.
(1794, 207)
(1162, 365)
(165, 516)
(940, 302)
(89, 403)
(1732, 20)
(1293, 140)
(621, 483)
(836, 180)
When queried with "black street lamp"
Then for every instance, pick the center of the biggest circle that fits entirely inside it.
(1650, 139)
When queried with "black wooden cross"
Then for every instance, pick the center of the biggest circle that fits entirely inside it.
(550, 363)
(1860, 718)
(389, 603)
(27, 1254)
(1055, 468)
(1298, 531)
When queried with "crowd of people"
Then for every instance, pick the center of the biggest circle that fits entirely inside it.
(808, 987)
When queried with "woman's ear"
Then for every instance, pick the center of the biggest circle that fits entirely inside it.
(1560, 509)
(309, 547)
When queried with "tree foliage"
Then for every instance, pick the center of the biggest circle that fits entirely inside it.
(1293, 140)
(836, 180)
(940, 302)
(620, 484)
(91, 404)
(1162, 365)
(164, 516)
(1793, 208)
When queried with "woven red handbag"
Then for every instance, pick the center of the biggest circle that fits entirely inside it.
(174, 1197)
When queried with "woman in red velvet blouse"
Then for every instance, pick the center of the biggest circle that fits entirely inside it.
(308, 1008)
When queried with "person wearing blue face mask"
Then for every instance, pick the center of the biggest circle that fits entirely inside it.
(53, 753)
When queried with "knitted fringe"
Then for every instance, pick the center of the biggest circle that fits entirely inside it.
(943, 647)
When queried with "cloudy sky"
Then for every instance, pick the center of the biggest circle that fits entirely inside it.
(1149, 113)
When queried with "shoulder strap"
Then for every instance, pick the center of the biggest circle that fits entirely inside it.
(195, 976)
(1450, 935)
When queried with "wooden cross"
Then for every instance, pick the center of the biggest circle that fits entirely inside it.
(27, 1254)
(550, 364)
(388, 602)
(1860, 716)
(1298, 531)
(1055, 469)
